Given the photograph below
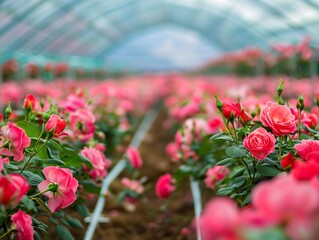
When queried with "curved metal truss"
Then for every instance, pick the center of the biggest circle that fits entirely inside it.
(91, 28)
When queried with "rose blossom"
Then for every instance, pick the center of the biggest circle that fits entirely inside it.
(306, 147)
(288, 160)
(278, 118)
(73, 102)
(230, 110)
(29, 102)
(99, 162)
(214, 175)
(66, 186)
(285, 198)
(13, 188)
(220, 219)
(133, 185)
(18, 140)
(56, 125)
(260, 143)
(134, 157)
(23, 224)
(82, 123)
(164, 187)
(307, 170)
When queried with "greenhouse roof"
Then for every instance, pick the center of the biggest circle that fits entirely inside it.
(93, 28)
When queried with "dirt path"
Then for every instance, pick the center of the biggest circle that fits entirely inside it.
(153, 219)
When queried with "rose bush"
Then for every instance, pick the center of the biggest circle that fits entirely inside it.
(57, 146)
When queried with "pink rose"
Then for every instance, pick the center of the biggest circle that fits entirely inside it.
(164, 187)
(231, 110)
(99, 162)
(133, 185)
(260, 143)
(13, 188)
(82, 123)
(285, 198)
(29, 102)
(134, 157)
(278, 118)
(73, 102)
(172, 151)
(214, 125)
(220, 219)
(55, 125)
(288, 160)
(306, 147)
(307, 170)
(23, 224)
(18, 140)
(214, 175)
(65, 187)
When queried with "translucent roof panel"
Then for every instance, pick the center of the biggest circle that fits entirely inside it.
(92, 28)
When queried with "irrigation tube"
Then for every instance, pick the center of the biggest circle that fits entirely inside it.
(197, 205)
(119, 167)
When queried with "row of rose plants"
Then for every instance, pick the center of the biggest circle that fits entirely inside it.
(290, 59)
(11, 69)
(258, 157)
(58, 141)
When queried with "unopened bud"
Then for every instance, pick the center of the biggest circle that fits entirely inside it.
(280, 88)
(8, 111)
(219, 103)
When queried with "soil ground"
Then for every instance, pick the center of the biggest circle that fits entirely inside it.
(153, 218)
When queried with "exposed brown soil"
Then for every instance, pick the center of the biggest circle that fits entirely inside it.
(153, 218)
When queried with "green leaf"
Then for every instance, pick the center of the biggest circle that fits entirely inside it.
(90, 187)
(11, 167)
(267, 171)
(74, 222)
(53, 162)
(224, 162)
(63, 232)
(74, 159)
(31, 129)
(53, 220)
(40, 225)
(235, 152)
(225, 191)
(266, 234)
(246, 201)
(185, 169)
(2, 218)
(221, 137)
(32, 178)
(238, 172)
(43, 205)
(36, 236)
(55, 145)
(59, 214)
(42, 152)
(82, 210)
(65, 222)
(121, 197)
(27, 204)
(238, 182)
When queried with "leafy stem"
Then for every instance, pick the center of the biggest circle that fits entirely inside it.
(280, 148)
(7, 233)
(249, 173)
(34, 153)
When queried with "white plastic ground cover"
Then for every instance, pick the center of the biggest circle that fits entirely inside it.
(197, 199)
(136, 141)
